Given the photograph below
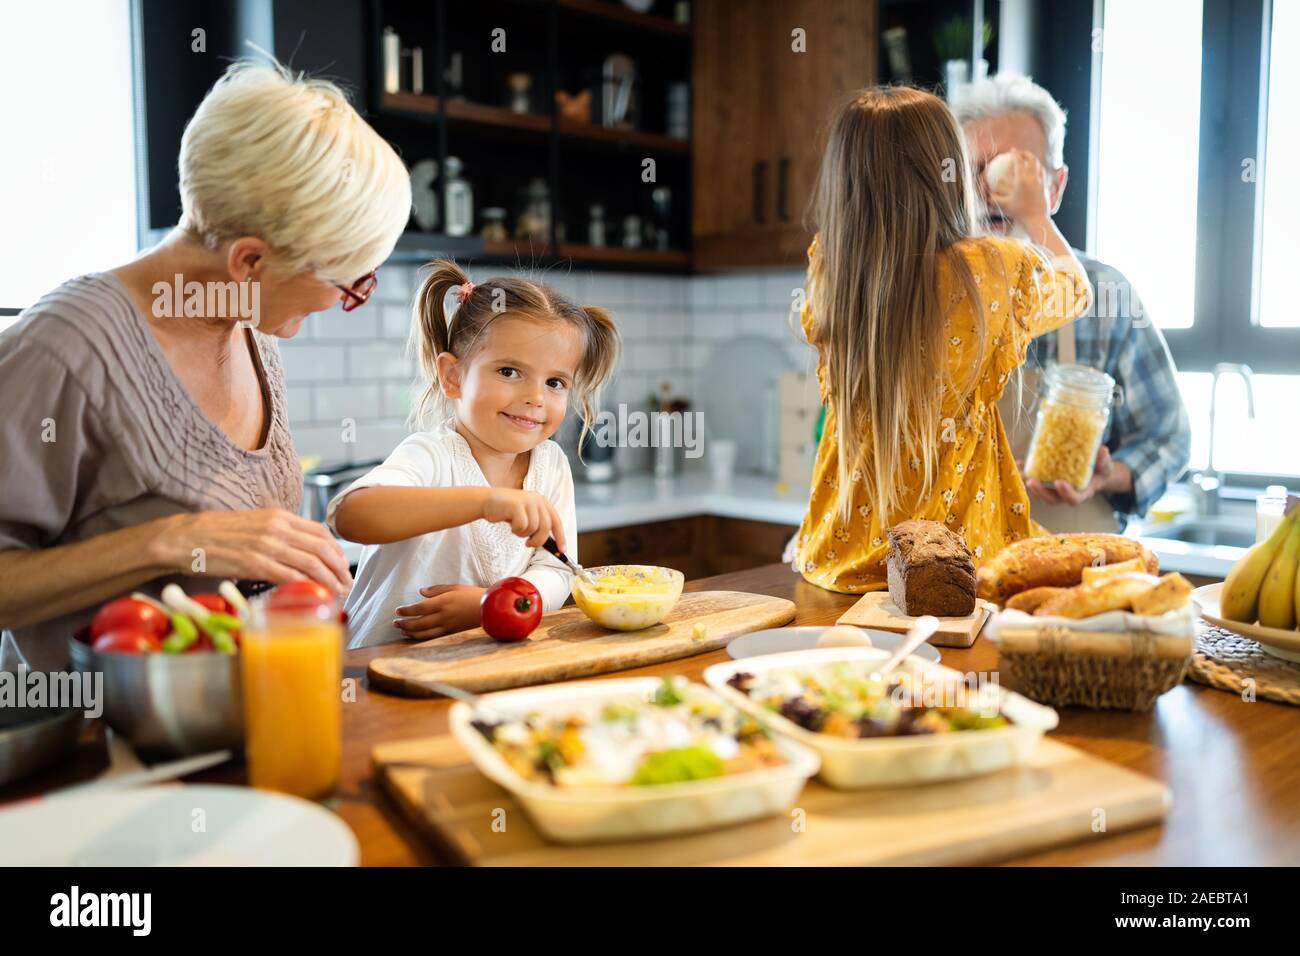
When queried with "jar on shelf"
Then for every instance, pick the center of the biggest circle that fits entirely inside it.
(1073, 412)
(494, 224)
(534, 220)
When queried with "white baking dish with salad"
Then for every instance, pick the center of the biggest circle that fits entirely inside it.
(631, 758)
(921, 723)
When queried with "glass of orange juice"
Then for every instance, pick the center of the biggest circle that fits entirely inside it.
(292, 663)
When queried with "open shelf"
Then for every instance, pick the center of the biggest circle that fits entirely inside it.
(626, 137)
(621, 14)
(618, 254)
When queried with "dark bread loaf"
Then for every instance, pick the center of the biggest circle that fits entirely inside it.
(929, 570)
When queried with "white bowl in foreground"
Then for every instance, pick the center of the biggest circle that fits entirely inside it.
(850, 764)
(587, 815)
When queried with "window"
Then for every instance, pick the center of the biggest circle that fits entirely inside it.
(1196, 200)
(1148, 233)
(1279, 242)
(67, 169)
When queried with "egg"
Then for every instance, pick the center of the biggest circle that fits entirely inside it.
(843, 635)
(1000, 174)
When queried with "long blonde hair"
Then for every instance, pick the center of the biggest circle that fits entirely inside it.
(433, 331)
(893, 196)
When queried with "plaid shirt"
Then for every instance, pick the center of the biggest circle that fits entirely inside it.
(1149, 430)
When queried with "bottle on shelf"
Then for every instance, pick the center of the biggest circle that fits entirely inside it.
(458, 199)
(494, 225)
(596, 225)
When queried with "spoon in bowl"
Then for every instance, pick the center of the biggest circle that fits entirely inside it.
(573, 566)
(920, 632)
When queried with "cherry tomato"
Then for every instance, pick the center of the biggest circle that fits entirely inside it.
(127, 640)
(511, 609)
(213, 602)
(303, 593)
(129, 613)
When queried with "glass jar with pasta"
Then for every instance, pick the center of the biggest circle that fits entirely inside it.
(1073, 412)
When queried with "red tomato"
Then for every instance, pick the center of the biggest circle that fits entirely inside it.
(511, 609)
(303, 593)
(127, 640)
(130, 613)
(213, 602)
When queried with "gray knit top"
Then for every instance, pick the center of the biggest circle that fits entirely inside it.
(97, 433)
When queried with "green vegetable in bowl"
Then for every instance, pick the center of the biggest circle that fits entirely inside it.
(666, 694)
(676, 766)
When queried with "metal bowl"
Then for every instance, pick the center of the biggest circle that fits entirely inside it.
(169, 704)
(42, 739)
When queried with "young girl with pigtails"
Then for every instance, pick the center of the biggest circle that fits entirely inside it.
(468, 498)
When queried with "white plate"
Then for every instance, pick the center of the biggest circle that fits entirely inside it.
(585, 815)
(175, 825)
(1279, 643)
(896, 761)
(781, 640)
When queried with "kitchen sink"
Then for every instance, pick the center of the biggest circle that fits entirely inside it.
(1205, 531)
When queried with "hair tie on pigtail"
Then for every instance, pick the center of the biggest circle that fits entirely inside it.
(463, 292)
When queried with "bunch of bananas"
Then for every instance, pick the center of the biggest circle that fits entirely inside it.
(1264, 586)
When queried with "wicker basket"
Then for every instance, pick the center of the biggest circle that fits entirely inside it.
(1103, 670)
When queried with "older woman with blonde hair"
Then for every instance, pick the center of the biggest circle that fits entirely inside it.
(145, 437)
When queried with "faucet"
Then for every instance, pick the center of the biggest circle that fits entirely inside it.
(1206, 485)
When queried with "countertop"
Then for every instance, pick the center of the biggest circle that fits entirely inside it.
(642, 498)
(1233, 765)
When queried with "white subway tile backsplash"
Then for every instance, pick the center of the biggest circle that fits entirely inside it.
(394, 284)
(298, 403)
(395, 321)
(385, 360)
(359, 325)
(743, 289)
(312, 363)
(358, 402)
(400, 398)
(354, 366)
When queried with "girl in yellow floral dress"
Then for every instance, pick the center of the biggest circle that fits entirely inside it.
(919, 328)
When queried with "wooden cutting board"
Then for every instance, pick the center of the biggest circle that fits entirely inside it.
(1054, 799)
(875, 609)
(567, 645)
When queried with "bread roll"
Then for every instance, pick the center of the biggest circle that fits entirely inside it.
(1055, 561)
(1173, 592)
(1028, 601)
(1098, 597)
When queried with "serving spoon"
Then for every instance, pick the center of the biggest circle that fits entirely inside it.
(920, 632)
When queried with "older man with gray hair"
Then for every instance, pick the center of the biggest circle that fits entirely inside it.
(1148, 442)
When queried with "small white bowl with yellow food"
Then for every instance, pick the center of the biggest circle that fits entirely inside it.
(628, 597)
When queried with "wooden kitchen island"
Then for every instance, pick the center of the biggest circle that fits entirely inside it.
(1233, 766)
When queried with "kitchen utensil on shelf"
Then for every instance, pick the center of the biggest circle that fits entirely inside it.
(424, 197)
(574, 566)
(618, 91)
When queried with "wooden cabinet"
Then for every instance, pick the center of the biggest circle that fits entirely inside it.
(761, 106)
(698, 546)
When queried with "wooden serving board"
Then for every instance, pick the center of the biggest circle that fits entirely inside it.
(875, 609)
(567, 645)
(1054, 799)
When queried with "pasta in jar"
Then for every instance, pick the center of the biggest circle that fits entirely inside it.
(1072, 417)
